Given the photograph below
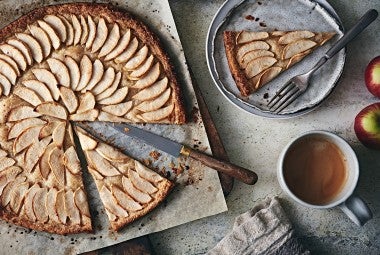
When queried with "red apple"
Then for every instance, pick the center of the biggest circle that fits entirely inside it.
(367, 126)
(372, 76)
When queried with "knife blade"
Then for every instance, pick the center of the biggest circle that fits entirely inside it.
(176, 149)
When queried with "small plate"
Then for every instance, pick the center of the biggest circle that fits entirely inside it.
(284, 15)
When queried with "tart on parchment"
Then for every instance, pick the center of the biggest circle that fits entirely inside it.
(255, 58)
(78, 62)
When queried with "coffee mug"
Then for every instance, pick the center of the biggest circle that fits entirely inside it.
(319, 169)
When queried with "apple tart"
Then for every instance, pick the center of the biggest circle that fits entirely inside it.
(256, 58)
(78, 62)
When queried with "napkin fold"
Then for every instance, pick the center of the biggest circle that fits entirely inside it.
(264, 229)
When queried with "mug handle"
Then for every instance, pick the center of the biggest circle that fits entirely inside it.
(356, 209)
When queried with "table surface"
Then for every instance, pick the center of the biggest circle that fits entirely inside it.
(255, 142)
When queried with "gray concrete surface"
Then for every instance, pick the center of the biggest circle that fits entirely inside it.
(255, 143)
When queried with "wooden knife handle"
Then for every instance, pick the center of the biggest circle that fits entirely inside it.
(230, 169)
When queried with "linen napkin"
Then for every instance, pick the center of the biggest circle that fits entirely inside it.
(264, 229)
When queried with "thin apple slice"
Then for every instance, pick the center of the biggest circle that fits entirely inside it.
(3, 153)
(21, 125)
(118, 109)
(155, 104)
(6, 162)
(87, 143)
(34, 153)
(97, 74)
(60, 206)
(17, 196)
(142, 69)
(7, 191)
(48, 78)
(269, 74)
(95, 174)
(128, 52)
(44, 161)
(5, 85)
(89, 115)
(157, 114)
(59, 134)
(258, 65)
(69, 99)
(109, 91)
(295, 36)
(85, 71)
(125, 200)
(105, 116)
(52, 109)
(43, 39)
(71, 209)
(69, 30)
(57, 24)
(91, 32)
(147, 173)
(297, 47)
(80, 200)
(28, 202)
(101, 35)
(74, 71)
(77, 29)
(60, 70)
(48, 129)
(105, 82)
(28, 95)
(149, 78)
(26, 138)
(84, 27)
(86, 103)
(8, 72)
(111, 204)
(57, 166)
(110, 153)
(255, 45)
(7, 175)
(15, 54)
(11, 62)
(23, 48)
(153, 91)
(248, 36)
(39, 208)
(34, 47)
(100, 164)
(138, 195)
(141, 183)
(22, 112)
(51, 199)
(71, 160)
(54, 39)
(249, 56)
(121, 46)
(117, 97)
(111, 42)
(40, 89)
(137, 59)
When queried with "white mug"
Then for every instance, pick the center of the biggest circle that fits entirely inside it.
(353, 206)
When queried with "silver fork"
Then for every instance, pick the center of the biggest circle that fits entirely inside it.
(298, 84)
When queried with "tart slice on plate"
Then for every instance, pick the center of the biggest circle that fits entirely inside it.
(256, 58)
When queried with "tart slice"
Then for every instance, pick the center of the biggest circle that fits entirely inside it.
(255, 58)
(127, 188)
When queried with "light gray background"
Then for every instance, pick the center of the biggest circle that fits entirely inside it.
(255, 143)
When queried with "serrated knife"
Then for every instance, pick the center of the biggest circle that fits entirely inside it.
(176, 149)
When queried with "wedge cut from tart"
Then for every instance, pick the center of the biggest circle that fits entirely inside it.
(127, 188)
(256, 58)
(78, 62)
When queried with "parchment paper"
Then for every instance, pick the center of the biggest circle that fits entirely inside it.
(198, 192)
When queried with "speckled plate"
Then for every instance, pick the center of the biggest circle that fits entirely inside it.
(281, 15)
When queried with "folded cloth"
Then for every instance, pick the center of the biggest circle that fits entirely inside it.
(264, 229)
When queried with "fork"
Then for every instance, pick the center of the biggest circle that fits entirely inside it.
(297, 85)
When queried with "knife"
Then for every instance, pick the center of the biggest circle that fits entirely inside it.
(176, 149)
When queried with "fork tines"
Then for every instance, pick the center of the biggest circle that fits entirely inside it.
(284, 97)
